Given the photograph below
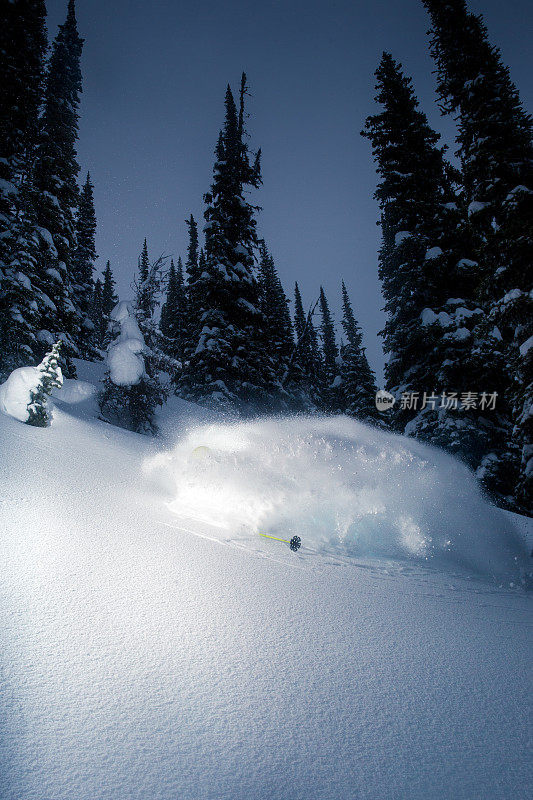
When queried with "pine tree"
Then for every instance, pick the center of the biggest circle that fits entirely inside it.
(22, 50)
(144, 264)
(358, 380)
(439, 339)
(150, 390)
(278, 330)
(83, 267)
(103, 301)
(228, 364)
(174, 314)
(109, 298)
(330, 389)
(131, 395)
(50, 378)
(55, 174)
(496, 152)
(194, 267)
(97, 315)
(192, 250)
(305, 365)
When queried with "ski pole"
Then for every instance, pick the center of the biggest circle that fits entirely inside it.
(295, 543)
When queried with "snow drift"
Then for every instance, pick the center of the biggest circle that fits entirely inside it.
(344, 487)
(15, 393)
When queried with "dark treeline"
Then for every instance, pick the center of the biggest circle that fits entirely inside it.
(215, 323)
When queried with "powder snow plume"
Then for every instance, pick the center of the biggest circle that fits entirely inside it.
(344, 487)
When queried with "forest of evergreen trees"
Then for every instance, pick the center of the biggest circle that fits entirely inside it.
(216, 326)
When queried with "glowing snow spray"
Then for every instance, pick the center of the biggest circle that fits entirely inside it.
(202, 452)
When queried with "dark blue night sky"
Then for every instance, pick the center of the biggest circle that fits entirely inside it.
(154, 80)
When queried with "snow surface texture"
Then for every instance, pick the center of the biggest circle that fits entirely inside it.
(344, 487)
(149, 657)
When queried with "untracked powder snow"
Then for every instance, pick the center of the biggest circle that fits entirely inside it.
(156, 647)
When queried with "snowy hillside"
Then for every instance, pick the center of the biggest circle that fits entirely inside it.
(155, 646)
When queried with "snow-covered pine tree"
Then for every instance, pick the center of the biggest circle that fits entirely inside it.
(174, 314)
(305, 367)
(150, 390)
(83, 268)
(228, 364)
(129, 396)
(56, 190)
(132, 385)
(193, 267)
(103, 302)
(437, 336)
(22, 49)
(97, 315)
(358, 385)
(410, 167)
(496, 152)
(278, 330)
(109, 298)
(143, 265)
(331, 379)
(50, 377)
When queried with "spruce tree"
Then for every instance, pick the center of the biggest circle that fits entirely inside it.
(150, 389)
(174, 314)
(144, 264)
(97, 315)
(83, 266)
(496, 152)
(227, 363)
(55, 174)
(438, 337)
(109, 298)
(194, 266)
(305, 366)
(192, 250)
(130, 395)
(278, 330)
(22, 50)
(103, 301)
(358, 380)
(331, 399)
(50, 377)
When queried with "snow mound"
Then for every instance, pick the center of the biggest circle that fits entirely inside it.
(74, 391)
(15, 393)
(343, 486)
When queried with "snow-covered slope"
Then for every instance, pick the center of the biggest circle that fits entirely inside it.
(147, 654)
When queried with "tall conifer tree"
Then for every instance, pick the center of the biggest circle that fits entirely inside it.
(97, 315)
(109, 298)
(330, 388)
(55, 174)
(358, 381)
(496, 151)
(83, 265)
(279, 335)
(194, 266)
(305, 366)
(22, 50)
(439, 339)
(228, 364)
(174, 314)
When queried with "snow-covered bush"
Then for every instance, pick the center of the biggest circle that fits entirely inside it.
(25, 394)
(130, 394)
